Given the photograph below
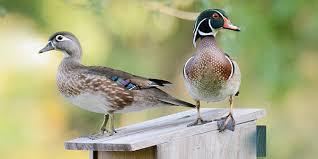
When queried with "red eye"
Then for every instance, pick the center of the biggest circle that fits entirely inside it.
(215, 16)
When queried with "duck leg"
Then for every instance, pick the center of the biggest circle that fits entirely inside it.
(112, 121)
(103, 129)
(227, 122)
(199, 120)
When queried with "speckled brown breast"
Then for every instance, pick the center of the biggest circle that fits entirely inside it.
(209, 65)
(209, 69)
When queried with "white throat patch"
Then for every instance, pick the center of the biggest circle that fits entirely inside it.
(197, 30)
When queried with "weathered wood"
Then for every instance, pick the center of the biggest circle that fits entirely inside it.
(147, 153)
(93, 154)
(163, 130)
(261, 140)
(239, 144)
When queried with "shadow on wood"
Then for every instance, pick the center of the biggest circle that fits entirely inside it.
(169, 138)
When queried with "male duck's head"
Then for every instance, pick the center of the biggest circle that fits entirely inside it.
(65, 42)
(209, 22)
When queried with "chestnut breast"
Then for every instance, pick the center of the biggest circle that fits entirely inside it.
(209, 69)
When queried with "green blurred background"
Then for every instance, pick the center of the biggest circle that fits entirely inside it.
(277, 52)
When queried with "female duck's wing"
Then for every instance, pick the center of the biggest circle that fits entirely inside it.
(125, 87)
(127, 80)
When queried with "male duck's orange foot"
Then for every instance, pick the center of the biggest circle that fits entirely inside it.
(199, 121)
(227, 122)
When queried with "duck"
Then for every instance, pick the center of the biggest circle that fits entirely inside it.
(104, 90)
(211, 75)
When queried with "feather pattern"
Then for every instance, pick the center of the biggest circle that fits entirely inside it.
(210, 75)
(102, 89)
(114, 90)
(138, 81)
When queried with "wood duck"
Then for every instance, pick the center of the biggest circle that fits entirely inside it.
(101, 89)
(210, 74)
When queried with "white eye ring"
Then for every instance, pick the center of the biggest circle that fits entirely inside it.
(61, 38)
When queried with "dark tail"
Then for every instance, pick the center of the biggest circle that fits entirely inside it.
(177, 102)
(159, 82)
(161, 97)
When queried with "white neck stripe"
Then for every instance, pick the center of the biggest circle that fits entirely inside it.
(196, 30)
(204, 34)
(220, 14)
(195, 24)
(210, 25)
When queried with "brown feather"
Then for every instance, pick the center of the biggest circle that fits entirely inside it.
(142, 82)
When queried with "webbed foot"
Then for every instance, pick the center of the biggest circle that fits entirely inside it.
(227, 122)
(198, 121)
(102, 134)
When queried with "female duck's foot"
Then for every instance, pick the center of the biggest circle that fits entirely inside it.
(101, 135)
(227, 122)
(112, 132)
(199, 121)
(97, 136)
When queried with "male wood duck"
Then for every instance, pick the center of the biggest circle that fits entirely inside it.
(101, 89)
(210, 74)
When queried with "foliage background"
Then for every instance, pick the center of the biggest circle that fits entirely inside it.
(276, 50)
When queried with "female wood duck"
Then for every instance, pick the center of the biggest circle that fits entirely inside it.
(210, 74)
(101, 89)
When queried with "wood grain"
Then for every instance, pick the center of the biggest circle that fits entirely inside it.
(239, 144)
(162, 130)
(147, 153)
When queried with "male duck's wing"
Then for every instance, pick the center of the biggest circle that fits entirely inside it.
(127, 80)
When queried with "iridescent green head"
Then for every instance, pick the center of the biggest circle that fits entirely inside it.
(209, 22)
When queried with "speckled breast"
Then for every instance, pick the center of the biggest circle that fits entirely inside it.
(68, 86)
(206, 75)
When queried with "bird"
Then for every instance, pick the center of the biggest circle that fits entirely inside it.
(101, 89)
(211, 75)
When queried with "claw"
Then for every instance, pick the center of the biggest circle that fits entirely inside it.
(199, 121)
(101, 134)
(97, 136)
(111, 133)
(227, 122)
(103, 129)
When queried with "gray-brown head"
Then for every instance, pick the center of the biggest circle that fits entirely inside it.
(65, 42)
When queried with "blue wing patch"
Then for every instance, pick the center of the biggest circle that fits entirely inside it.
(125, 83)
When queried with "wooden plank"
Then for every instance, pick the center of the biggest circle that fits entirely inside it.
(261, 140)
(239, 144)
(93, 154)
(147, 153)
(161, 130)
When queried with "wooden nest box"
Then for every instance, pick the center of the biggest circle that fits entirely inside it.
(169, 137)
